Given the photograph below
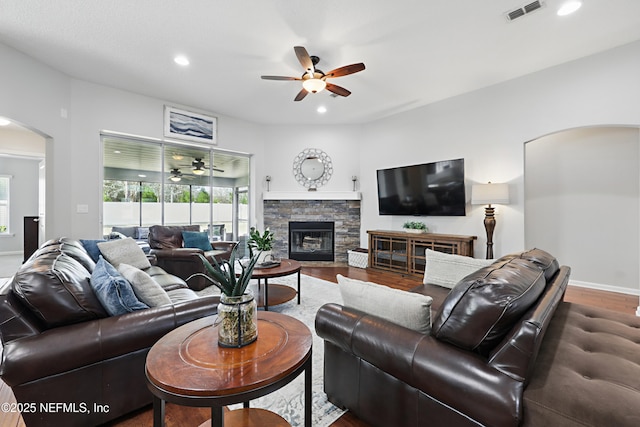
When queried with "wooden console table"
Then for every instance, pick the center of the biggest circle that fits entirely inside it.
(404, 252)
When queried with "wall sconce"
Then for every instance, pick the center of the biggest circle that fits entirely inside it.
(486, 194)
(355, 180)
(268, 179)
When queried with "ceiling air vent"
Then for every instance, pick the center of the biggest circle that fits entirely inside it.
(524, 10)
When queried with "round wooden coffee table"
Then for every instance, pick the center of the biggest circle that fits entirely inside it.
(275, 294)
(187, 367)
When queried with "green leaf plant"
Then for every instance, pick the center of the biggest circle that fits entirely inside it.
(261, 242)
(224, 275)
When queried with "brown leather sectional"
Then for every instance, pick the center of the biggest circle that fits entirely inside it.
(67, 362)
(554, 364)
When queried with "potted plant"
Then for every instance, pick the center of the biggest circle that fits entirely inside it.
(237, 311)
(260, 241)
(415, 227)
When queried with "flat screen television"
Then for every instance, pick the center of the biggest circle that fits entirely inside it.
(429, 189)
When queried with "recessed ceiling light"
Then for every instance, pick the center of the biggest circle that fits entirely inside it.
(117, 152)
(181, 60)
(569, 7)
(141, 175)
(4, 122)
(322, 109)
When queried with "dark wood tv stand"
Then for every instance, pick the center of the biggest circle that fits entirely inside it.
(404, 252)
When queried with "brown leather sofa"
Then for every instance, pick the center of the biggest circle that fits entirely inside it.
(62, 354)
(557, 364)
(167, 245)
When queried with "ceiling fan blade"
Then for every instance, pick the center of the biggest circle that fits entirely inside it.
(280, 78)
(338, 90)
(304, 58)
(300, 96)
(346, 70)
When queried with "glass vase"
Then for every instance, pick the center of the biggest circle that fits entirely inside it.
(237, 320)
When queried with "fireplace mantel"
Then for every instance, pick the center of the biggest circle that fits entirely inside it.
(312, 195)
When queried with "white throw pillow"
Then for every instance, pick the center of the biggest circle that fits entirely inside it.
(447, 270)
(124, 251)
(146, 289)
(407, 309)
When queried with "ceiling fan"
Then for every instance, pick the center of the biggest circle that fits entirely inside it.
(175, 175)
(313, 79)
(199, 168)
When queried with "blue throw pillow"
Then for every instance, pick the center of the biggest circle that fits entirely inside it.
(91, 246)
(113, 290)
(196, 239)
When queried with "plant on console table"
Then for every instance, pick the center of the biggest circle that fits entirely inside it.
(237, 311)
(415, 227)
(260, 241)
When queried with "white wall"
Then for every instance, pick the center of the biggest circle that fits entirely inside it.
(583, 191)
(284, 143)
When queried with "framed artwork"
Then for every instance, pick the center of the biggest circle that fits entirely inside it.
(184, 124)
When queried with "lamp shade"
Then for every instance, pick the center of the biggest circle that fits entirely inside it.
(486, 194)
(314, 85)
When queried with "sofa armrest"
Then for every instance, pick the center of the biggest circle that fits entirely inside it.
(176, 252)
(65, 348)
(440, 370)
(223, 246)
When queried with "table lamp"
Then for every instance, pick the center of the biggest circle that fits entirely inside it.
(486, 194)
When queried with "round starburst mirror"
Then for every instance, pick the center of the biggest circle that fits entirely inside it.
(312, 168)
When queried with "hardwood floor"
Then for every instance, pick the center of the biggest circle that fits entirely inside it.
(178, 416)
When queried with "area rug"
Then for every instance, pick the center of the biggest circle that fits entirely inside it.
(288, 402)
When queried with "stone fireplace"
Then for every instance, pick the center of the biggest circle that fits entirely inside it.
(343, 211)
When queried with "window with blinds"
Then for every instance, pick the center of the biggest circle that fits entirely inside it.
(5, 182)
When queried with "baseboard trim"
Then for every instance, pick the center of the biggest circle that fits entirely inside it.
(608, 288)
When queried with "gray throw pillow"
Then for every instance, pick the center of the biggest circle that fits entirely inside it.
(146, 289)
(407, 309)
(113, 290)
(124, 251)
(447, 269)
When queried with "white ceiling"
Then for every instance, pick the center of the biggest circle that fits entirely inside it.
(416, 51)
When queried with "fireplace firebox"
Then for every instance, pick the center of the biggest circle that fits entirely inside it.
(311, 241)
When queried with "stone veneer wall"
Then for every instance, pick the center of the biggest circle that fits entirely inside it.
(344, 213)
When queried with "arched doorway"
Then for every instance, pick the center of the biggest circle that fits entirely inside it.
(582, 203)
(22, 172)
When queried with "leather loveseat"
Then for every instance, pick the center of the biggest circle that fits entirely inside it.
(167, 245)
(492, 358)
(67, 362)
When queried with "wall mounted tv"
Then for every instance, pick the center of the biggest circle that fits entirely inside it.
(430, 189)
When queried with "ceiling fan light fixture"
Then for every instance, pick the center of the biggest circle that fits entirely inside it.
(314, 85)
(175, 178)
(198, 171)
